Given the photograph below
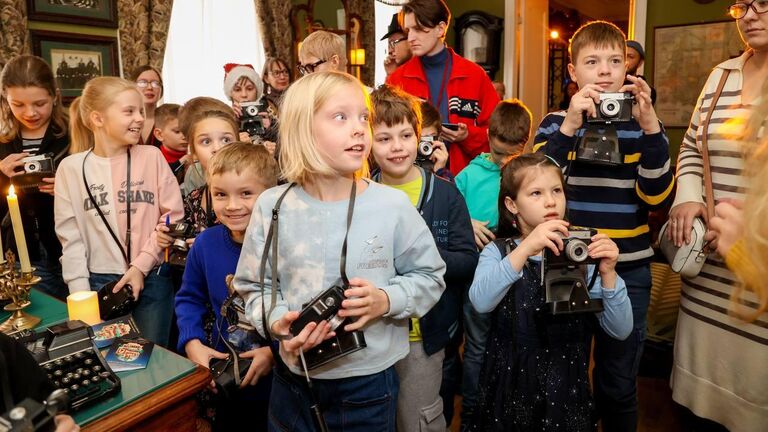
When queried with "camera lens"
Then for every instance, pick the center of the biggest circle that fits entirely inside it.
(610, 108)
(180, 245)
(32, 167)
(576, 251)
(252, 110)
(426, 148)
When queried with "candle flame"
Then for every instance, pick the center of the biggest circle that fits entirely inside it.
(11, 192)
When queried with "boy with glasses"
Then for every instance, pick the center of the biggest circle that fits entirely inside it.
(398, 51)
(322, 51)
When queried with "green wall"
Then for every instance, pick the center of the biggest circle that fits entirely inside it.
(493, 7)
(663, 13)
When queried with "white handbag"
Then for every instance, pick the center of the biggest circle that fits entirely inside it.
(689, 259)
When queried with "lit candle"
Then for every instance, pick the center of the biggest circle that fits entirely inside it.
(84, 306)
(18, 231)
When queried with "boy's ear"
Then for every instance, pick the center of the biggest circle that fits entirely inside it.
(441, 27)
(572, 72)
(335, 61)
(510, 205)
(158, 133)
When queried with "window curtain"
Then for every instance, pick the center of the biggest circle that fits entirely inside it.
(143, 26)
(14, 38)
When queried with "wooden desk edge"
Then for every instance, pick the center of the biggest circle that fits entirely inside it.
(153, 403)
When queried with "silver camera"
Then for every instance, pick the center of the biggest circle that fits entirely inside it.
(34, 170)
(425, 150)
(250, 109)
(38, 164)
(613, 107)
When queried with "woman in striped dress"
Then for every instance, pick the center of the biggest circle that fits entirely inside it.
(720, 369)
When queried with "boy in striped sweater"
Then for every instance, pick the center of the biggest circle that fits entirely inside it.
(613, 199)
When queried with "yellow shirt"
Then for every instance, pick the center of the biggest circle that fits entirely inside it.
(413, 190)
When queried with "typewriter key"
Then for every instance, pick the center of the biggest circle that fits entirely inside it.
(66, 380)
(95, 379)
(86, 383)
(58, 373)
(74, 387)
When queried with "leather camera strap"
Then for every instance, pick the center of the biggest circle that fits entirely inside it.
(126, 255)
(708, 192)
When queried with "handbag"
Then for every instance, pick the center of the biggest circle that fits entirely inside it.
(689, 258)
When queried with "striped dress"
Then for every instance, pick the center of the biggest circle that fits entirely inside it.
(720, 367)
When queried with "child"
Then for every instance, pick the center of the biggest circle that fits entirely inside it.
(508, 131)
(237, 175)
(613, 199)
(106, 228)
(243, 84)
(322, 51)
(33, 123)
(395, 271)
(150, 84)
(395, 141)
(535, 371)
(430, 127)
(172, 142)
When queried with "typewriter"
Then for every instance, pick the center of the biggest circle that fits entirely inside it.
(69, 356)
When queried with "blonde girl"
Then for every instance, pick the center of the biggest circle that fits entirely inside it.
(394, 269)
(110, 195)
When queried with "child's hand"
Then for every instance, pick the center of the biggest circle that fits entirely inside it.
(308, 338)
(584, 101)
(451, 135)
(262, 362)
(162, 239)
(439, 155)
(244, 137)
(270, 146)
(11, 163)
(483, 235)
(135, 278)
(726, 227)
(202, 355)
(364, 301)
(236, 108)
(48, 186)
(547, 234)
(604, 248)
(642, 109)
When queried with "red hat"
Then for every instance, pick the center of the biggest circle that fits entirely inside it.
(234, 71)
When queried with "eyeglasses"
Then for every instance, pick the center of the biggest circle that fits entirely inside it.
(310, 68)
(739, 10)
(145, 84)
(281, 72)
(393, 43)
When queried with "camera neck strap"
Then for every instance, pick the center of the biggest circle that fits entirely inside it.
(125, 251)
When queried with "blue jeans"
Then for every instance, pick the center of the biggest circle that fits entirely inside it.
(365, 404)
(49, 270)
(476, 327)
(154, 311)
(617, 362)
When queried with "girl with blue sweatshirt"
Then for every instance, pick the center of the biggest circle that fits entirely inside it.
(534, 375)
(394, 268)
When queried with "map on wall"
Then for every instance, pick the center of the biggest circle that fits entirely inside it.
(683, 58)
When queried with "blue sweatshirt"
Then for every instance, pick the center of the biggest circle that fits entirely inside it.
(480, 183)
(495, 275)
(389, 245)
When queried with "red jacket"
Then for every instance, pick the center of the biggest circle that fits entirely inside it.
(471, 100)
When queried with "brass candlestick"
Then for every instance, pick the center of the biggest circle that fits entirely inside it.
(4, 270)
(16, 286)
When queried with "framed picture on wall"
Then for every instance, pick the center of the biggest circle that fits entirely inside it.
(683, 58)
(102, 13)
(76, 58)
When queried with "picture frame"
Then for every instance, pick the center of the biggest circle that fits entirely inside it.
(76, 58)
(101, 13)
(684, 56)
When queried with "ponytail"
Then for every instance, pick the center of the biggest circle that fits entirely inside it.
(81, 137)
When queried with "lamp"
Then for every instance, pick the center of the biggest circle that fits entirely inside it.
(84, 306)
(357, 59)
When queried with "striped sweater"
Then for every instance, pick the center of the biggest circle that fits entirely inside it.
(614, 200)
(719, 369)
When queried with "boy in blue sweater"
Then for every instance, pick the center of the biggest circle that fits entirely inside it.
(615, 200)
(236, 176)
(395, 139)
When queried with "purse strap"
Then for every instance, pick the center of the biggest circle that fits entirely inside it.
(708, 192)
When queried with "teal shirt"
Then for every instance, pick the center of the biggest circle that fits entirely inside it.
(479, 183)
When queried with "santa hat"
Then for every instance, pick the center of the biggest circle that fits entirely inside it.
(232, 74)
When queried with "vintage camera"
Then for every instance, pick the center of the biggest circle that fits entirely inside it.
(325, 307)
(115, 304)
(425, 150)
(181, 232)
(33, 171)
(564, 276)
(32, 416)
(250, 120)
(613, 108)
(228, 373)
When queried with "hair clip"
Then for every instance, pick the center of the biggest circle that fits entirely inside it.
(551, 159)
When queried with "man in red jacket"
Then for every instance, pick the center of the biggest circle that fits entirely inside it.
(457, 87)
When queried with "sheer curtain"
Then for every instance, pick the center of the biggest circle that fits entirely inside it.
(383, 14)
(203, 36)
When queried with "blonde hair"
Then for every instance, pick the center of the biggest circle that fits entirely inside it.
(600, 34)
(324, 45)
(200, 108)
(243, 157)
(299, 158)
(751, 277)
(98, 95)
(29, 71)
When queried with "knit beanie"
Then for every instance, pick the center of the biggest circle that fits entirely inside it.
(637, 47)
(232, 74)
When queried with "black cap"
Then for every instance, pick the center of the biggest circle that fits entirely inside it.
(394, 27)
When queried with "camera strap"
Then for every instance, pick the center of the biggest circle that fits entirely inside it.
(126, 254)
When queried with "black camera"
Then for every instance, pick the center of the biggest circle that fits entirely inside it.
(613, 108)
(228, 373)
(34, 170)
(115, 304)
(425, 150)
(325, 307)
(181, 232)
(32, 416)
(564, 276)
(250, 120)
